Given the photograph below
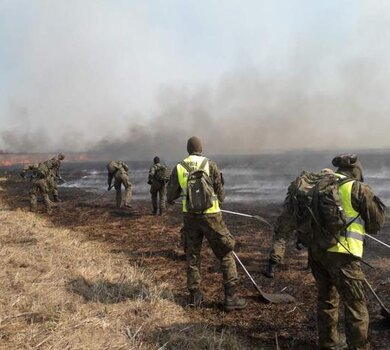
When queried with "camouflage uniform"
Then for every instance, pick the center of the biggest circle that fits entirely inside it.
(282, 234)
(39, 184)
(121, 177)
(340, 275)
(54, 175)
(157, 189)
(196, 226)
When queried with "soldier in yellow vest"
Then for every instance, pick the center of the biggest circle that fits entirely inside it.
(337, 270)
(208, 223)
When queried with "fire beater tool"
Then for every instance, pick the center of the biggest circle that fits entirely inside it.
(275, 298)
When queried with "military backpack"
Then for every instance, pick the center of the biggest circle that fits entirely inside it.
(315, 202)
(200, 189)
(163, 173)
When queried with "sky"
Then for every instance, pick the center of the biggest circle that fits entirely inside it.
(125, 77)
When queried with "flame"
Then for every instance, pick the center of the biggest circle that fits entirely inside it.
(15, 159)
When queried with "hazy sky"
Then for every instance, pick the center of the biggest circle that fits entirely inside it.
(247, 76)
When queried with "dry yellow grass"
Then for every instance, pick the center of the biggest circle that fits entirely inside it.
(61, 291)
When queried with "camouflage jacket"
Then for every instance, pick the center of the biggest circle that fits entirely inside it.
(115, 167)
(152, 172)
(54, 167)
(174, 189)
(364, 201)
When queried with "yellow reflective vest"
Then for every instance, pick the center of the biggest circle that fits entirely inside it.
(194, 162)
(353, 237)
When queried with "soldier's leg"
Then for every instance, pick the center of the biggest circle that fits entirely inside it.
(44, 189)
(351, 289)
(55, 190)
(118, 192)
(33, 198)
(278, 250)
(162, 195)
(193, 245)
(327, 306)
(154, 193)
(222, 244)
(127, 185)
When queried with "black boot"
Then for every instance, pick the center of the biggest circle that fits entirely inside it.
(196, 298)
(232, 300)
(269, 270)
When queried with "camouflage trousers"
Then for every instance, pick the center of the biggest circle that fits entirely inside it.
(52, 186)
(278, 248)
(121, 178)
(158, 192)
(340, 276)
(40, 186)
(220, 240)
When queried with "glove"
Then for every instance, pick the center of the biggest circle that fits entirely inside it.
(109, 188)
(149, 182)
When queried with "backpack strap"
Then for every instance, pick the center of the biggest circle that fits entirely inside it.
(203, 164)
(185, 166)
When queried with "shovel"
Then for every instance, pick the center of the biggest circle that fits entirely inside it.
(384, 311)
(277, 298)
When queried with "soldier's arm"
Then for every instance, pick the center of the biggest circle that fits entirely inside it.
(109, 180)
(217, 181)
(125, 166)
(173, 189)
(152, 171)
(369, 206)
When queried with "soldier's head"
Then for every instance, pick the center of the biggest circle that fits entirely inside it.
(349, 165)
(156, 160)
(61, 156)
(194, 145)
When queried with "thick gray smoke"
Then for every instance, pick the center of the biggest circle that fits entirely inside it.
(123, 81)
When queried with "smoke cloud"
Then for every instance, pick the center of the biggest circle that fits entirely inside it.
(130, 81)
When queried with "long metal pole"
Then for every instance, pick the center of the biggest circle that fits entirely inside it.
(257, 217)
(265, 221)
(377, 240)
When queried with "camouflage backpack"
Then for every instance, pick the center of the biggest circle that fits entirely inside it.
(163, 173)
(115, 165)
(314, 200)
(200, 189)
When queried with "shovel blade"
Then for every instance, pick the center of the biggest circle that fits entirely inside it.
(275, 298)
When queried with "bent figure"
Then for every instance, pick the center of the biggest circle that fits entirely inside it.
(118, 171)
(39, 185)
(206, 223)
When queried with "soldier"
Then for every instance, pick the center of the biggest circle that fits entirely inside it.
(118, 171)
(53, 165)
(38, 174)
(207, 223)
(283, 233)
(337, 269)
(157, 181)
